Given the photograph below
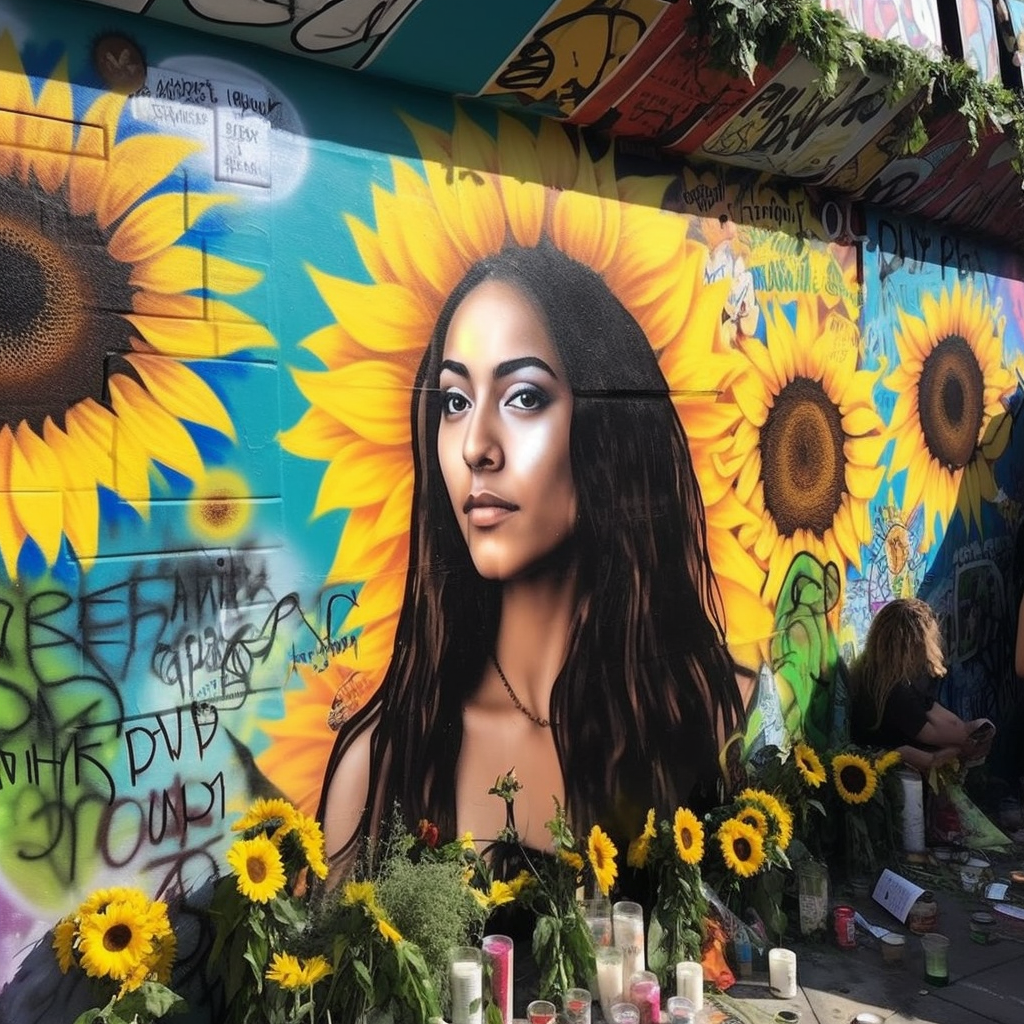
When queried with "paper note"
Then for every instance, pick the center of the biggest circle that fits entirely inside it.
(896, 893)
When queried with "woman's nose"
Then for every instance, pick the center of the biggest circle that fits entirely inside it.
(481, 445)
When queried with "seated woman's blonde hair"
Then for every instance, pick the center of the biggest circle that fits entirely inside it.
(903, 644)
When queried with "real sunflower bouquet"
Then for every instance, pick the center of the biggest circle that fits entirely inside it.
(865, 802)
(563, 946)
(260, 912)
(671, 851)
(124, 941)
(747, 860)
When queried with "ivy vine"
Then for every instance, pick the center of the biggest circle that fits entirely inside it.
(743, 34)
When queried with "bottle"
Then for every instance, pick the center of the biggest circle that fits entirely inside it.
(924, 914)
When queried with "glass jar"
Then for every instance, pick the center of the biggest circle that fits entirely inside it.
(924, 914)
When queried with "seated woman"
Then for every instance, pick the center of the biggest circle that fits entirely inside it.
(893, 685)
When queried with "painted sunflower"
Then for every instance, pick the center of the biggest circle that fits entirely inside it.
(890, 759)
(601, 853)
(854, 778)
(472, 194)
(949, 421)
(804, 456)
(742, 847)
(812, 771)
(639, 848)
(688, 835)
(257, 863)
(102, 311)
(113, 942)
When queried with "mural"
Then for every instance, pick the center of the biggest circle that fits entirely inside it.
(309, 418)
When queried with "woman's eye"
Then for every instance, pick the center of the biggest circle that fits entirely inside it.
(529, 399)
(454, 402)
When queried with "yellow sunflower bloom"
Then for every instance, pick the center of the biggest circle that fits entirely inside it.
(163, 961)
(316, 968)
(639, 848)
(854, 778)
(780, 818)
(257, 863)
(890, 759)
(286, 971)
(526, 187)
(265, 812)
(573, 859)
(949, 420)
(755, 818)
(100, 899)
(114, 941)
(121, 306)
(500, 894)
(688, 834)
(803, 460)
(64, 934)
(359, 892)
(601, 853)
(311, 836)
(812, 771)
(389, 932)
(742, 847)
(521, 882)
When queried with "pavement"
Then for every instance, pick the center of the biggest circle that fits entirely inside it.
(835, 985)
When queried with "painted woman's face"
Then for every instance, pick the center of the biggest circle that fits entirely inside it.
(503, 440)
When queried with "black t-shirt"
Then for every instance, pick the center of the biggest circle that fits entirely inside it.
(904, 716)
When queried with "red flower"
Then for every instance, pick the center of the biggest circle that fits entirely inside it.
(427, 833)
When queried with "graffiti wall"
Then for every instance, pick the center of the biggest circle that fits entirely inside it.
(389, 417)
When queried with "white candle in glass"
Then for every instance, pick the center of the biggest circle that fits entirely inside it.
(690, 982)
(609, 978)
(628, 931)
(466, 976)
(782, 973)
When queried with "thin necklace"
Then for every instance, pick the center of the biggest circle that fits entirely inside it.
(544, 723)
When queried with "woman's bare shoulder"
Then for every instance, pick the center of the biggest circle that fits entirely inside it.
(348, 791)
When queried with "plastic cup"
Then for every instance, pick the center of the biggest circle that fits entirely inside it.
(680, 1010)
(936, 958)
(893, 946)
(625, 1013)
(576, 1002)
(645, 995)
(540, 1011)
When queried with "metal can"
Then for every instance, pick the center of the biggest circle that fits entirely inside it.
(845, 926)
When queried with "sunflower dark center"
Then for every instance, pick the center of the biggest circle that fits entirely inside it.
(951, 402)
(803, 466)
(117, 938)
(62, 300)
(218, 510)
(256, 868)
(686, 838)
(853, 778)
(742, 848)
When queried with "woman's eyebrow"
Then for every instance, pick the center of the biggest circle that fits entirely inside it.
(512, 365)
(457, 368)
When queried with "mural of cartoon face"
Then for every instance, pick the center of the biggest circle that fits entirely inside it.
(503, 440)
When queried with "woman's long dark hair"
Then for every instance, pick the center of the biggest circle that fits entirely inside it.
(648, 688)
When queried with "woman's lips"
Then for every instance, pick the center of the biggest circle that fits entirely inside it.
(487, 509)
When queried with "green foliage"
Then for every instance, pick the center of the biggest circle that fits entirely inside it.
(150, 1001)
(745, 33)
